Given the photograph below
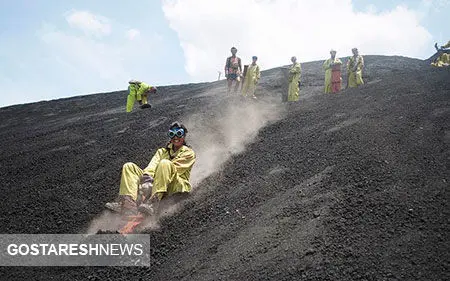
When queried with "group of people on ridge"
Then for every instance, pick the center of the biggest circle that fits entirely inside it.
(168, 172)
(234, 73)
(332, 67)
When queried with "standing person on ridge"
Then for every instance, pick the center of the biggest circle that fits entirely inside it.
(251, 79)
(295, 72)
(233, 70)
(355, 65)
(332, 67)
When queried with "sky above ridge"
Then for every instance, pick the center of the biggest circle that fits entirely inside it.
(52, 49)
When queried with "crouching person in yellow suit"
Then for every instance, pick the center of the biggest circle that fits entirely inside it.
(442, 56)
(167, 175)
(139, 91)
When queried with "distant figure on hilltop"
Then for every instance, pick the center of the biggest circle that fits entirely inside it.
(139, 91)
(295, 72)
(251, 79)
(442, 56)
(355, 65)
(333, 79)
(233, 70)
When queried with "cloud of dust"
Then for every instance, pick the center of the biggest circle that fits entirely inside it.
(216, 133)
(219, 132)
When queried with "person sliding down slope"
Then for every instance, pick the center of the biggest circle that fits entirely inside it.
(166, 176)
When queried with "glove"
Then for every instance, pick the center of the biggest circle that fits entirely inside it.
(146, 184)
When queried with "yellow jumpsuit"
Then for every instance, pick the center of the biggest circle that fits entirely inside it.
(328, 68)
(251, 79)
(131, 99)
(294, 78)
(170, 170)
(443, 59)
(355, 77)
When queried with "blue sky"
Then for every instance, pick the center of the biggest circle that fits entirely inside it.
(55, 49)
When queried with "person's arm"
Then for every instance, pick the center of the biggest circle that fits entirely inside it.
(184, 160)
(326, 64)
(151, 167)
(258, 73)
(227, 65)
(361, 63)
(240, 65)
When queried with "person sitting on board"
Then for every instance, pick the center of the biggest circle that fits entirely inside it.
(167, 175)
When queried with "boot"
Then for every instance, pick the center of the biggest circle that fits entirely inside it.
(129, 206)
(113, 206)
(150, 207)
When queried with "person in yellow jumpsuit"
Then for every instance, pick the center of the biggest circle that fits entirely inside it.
(442, 57)
(294, 79)
(251, 79)
(332, 67)
(138, 90)
(355, 65)
(167, 175)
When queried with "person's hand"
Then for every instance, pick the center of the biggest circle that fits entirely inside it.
(146, 183)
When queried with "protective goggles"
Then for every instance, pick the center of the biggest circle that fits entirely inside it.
(176, 133)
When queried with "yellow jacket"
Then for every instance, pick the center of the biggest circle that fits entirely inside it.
(183, 159)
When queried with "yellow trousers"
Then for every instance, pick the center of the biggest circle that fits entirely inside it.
(166, 179)
(355, 79)
(130, 102)
(293, 94)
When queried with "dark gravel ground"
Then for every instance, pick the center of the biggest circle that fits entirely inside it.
(353, 186)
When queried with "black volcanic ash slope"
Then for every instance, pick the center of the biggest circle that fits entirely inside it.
(338, 187)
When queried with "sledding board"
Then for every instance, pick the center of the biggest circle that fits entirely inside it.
(131, 223)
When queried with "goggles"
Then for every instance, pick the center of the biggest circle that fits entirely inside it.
(176, 133)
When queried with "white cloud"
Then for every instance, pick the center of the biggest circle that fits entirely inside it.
(88, 22)
(89, 64)
(275, 30)
(133, 33)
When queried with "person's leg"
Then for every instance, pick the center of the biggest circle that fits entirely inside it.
(164, 175)
(130, 102)
(144, 98)
(359, 80)
(236, 86)
(129, 185)
(229, 84)
(130, 180)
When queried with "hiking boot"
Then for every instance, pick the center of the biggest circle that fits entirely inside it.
(146, 105)
(128, 205)
(113, 206)
(146, 209)
(150, 207)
